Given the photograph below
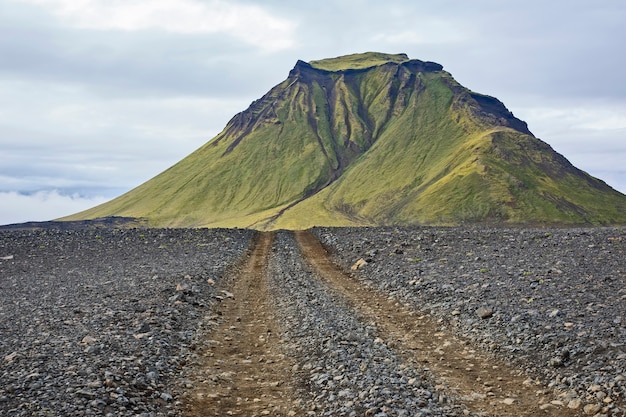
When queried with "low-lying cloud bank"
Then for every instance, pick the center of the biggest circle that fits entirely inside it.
(42, 205)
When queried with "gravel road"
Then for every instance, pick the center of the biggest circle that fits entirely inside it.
(345, 367)
(148, 322)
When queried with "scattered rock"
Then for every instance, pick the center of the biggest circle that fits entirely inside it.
(166, 397)
(90, 395)
(227, 294)
(556, 361)
(592, 409)
(574, 404)
(359, 264)
(484, 312)
(144, 328)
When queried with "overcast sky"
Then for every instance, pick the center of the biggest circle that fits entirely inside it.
(98, 96)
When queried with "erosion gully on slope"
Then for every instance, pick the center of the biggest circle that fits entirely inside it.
(485, 384)
(244, 372)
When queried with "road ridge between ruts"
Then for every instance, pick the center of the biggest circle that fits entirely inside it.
(243, 371)
(486, 385)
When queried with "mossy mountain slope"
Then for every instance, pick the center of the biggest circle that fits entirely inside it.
(370, 139)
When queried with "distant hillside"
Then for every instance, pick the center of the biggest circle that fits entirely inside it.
(370, 139)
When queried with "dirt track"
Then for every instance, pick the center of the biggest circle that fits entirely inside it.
(485, 384)
(246, 371)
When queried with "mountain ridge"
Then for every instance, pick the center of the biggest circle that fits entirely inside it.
(370, 139)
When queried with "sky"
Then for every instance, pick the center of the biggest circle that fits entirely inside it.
(98, 96)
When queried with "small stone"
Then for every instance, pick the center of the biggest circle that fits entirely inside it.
(94, 384)
(86, 394)
(144, 328)
(6, 258)
(484, 312)
(228, 294)
(574, 404)
(592, 409)
(166, 397)
(508, 401)
(556, 362)
(88, 339)
(359, 264)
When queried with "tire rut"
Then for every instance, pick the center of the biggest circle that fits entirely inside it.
(244, 372)
(486, 385)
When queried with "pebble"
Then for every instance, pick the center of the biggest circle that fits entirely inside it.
(592, 409)
(574, 404)
(484, 312)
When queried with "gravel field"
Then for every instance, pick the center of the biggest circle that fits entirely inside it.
(120, 322)
(553, 302)
(102, 322)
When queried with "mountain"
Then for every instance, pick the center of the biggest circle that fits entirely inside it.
(370, 139)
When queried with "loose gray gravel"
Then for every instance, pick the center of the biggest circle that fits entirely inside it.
(102, 321)
(112, 321)
(551, 301)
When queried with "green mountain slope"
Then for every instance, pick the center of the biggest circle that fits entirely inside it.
(370, 139)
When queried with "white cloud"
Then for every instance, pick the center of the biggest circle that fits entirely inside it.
(249, 23)
(431, 30)
(591, 136)
(596, 117)
(42, 206)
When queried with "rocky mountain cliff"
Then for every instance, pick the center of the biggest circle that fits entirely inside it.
(370, 139)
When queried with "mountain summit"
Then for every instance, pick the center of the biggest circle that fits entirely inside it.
(370, 139)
